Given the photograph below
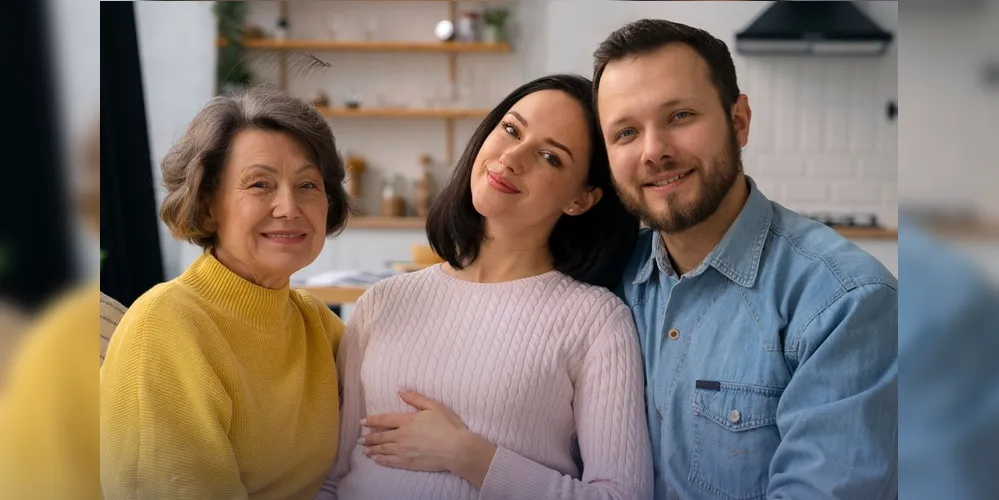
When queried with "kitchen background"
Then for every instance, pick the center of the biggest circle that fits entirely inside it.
(75, 61)
(823, 141)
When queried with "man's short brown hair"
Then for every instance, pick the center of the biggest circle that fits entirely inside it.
(192, 168)
(647, 35)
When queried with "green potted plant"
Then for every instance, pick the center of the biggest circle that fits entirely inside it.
(232, 73)
(494, 19)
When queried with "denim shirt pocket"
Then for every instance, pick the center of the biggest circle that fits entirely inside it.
(735, 437)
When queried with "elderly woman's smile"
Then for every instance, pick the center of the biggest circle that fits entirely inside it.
(285, 237)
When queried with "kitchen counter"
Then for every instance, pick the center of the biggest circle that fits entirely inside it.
(867, 233)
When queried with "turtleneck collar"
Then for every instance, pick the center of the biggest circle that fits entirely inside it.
(254, 304)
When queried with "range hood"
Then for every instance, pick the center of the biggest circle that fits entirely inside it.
(819, 28)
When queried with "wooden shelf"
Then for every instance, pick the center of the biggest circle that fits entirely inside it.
(378, 222)
(374, 46)
(868, 233)
(401, 113)
(336, 294)
(987, 230)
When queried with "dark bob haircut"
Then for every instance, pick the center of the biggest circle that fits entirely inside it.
(582, 246)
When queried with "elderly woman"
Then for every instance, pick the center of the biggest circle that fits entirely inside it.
(221, 383)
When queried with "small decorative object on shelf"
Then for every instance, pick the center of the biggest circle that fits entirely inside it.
(281, 32)
(353, 100)
(254, 32)
(355, 167)
(333, 26)
(371, 33)
(424, 254)
(319, 98)
(423, 188)
(495, 24)
(444, 31)
(393, 205)
(468, 27)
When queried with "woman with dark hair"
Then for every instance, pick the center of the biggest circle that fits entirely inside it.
(527, 381)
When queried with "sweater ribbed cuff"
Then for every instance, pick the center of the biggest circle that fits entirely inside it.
(508, 476)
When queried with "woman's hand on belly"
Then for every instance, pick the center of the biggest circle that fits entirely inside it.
(433, 439)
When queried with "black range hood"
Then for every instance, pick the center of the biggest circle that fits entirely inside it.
(819, 28)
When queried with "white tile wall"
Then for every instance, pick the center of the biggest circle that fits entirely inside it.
(820, 136)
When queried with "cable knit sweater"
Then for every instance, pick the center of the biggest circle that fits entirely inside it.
(546, 368)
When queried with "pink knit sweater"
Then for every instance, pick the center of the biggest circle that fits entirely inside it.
(546, 368)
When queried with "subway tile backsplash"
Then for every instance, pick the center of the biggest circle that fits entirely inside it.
(821, 139)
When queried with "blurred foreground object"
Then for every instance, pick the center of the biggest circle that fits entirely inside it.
(36, 246)
(948, 372)
(49, 439)
(48, 408)
(12, 324)
(49, 445)
(948, 264)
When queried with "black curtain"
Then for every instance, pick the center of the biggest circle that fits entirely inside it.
(129, 239)
(36, 248)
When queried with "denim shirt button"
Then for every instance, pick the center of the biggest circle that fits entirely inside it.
(734, 416)
(673, 334)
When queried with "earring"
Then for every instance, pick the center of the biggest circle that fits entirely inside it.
(571, 210)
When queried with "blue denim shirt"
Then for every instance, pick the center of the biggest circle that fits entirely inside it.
(771, 368)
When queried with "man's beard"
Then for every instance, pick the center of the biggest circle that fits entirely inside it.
(678, 217)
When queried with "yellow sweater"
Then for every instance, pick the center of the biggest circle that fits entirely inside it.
(216, 388)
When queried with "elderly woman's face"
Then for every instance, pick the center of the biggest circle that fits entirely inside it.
(269, 209)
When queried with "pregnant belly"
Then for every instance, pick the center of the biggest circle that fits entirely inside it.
(370, 481)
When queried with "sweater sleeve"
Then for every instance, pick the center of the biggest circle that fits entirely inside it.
(164, 414)
(333, 324)
(349, 359)
(611, 426)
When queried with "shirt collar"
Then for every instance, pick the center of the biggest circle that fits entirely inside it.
(739, 252)
(657, 257)
(737, 256)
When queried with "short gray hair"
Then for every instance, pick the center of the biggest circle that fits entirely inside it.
(192, 168)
